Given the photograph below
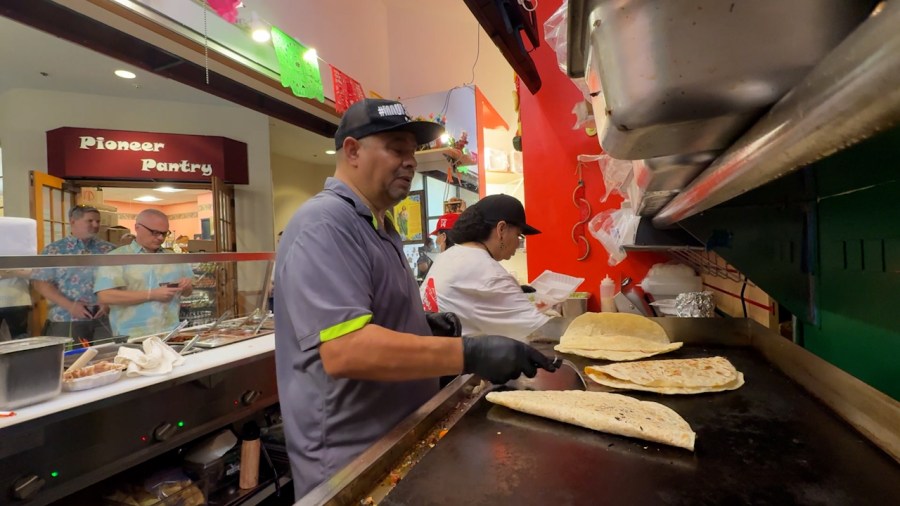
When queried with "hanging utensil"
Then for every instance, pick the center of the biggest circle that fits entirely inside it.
(584, 209)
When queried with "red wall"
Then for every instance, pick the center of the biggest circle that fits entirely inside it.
(549, 148)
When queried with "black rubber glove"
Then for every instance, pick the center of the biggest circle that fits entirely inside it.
(444, 324)
(499, 359)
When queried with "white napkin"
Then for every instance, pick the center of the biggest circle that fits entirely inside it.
(157, 358)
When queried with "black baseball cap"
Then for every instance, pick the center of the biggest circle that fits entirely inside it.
(496, 208)
(375, 115)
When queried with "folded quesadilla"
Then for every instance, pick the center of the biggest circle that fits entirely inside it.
(615, 336)
(610, 413)
(682, 376)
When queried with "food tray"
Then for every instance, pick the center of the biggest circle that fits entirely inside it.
(553, 287)
(93, 381)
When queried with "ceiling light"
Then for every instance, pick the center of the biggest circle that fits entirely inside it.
(330, 151)
(310, 55)
(168, 189)
(445, 138)
(261, 35)
(259, 31)
(125, 74)
(147, 198)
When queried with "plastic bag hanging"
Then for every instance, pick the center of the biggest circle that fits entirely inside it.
(616, 173)
(615, 228)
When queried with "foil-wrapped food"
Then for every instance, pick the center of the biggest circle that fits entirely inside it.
(695, 305)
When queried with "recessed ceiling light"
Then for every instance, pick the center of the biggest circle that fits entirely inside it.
(147, 198)
(330, 152)
(125, 74)
(310, 55)
(168, 189)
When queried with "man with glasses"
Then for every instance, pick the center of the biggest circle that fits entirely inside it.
(144, 299)
(74, 310)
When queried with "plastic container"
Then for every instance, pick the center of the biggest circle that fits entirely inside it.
(554, 288)
(30, 370)
(666, 281)
(607, 295)
(575, 305)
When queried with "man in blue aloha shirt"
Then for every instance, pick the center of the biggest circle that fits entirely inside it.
(144, 299)
(74, 310)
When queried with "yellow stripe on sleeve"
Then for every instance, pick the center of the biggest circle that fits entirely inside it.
(342, 329)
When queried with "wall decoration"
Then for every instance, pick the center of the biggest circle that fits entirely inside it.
(347, 90)
(409, 217)
(298, 66)
(226, 9)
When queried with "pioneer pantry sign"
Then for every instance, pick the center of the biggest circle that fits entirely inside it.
(88, 153)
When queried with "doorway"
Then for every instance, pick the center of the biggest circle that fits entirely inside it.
(188, 210)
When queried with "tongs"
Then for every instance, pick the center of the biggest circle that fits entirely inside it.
(87, 356)
(210, 332)
(174, 331)
(260, 324)
(227, 314)
(251, 318)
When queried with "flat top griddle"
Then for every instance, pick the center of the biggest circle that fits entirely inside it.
(768, 442)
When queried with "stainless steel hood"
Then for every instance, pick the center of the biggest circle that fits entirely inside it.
(686, 78)
(851, 95)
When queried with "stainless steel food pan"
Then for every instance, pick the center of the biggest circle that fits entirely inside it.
(685, 76)
(30, 370)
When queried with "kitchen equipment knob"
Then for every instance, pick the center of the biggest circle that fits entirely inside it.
(164, 431)
(26, 487)
(249, 397)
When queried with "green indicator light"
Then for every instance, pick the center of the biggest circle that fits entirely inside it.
(181, 424)
(54, 474)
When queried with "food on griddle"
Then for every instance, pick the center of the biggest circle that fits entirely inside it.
(682, 376)
(610, 413)
(615, 336)
(99, 367)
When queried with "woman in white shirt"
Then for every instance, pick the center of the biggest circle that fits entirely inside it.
(468, 279)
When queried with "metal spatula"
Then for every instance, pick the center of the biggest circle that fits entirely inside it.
(566, 377)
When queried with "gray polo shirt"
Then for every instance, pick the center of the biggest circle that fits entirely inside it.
(337, 271)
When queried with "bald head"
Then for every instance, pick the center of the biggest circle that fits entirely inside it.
(156, 213)
(151, 227)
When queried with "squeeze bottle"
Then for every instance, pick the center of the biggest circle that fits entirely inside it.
(607, 293)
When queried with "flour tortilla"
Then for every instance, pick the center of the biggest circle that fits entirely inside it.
(683, 376)
(604, 412)
(611, 382)
(594, 325)
(615, 336)
(615, 355)
(687, 372)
